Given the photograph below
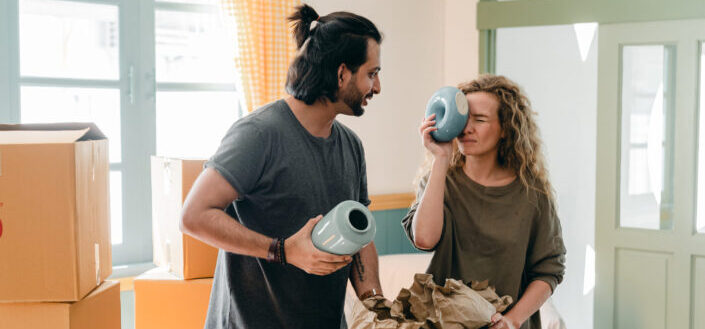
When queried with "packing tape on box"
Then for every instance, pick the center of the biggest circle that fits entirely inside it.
(97, 263)
(167, 255)
(167, 177)
(93, 150)
(0, 163)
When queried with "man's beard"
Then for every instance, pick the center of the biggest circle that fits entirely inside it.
(353, 98)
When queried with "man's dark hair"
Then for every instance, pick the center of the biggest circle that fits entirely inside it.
(337, 38)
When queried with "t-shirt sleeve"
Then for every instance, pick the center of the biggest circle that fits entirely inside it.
(364, 196)
(546, 259)
(407, 221)
(241, 157)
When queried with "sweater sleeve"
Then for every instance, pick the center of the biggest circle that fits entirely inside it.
(546, 254)
(408, 219)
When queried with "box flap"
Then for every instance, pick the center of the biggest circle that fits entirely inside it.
(100, 309)
(36, 133)
(107, 285)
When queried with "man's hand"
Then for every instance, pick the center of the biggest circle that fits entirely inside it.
(300, 252)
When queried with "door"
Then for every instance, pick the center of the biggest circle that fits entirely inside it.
(650, 224)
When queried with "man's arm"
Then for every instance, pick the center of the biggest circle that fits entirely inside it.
(203, 218)
(364, 273)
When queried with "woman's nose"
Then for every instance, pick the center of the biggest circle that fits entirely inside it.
(469, 127)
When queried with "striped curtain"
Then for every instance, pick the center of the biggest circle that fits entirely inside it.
(265, 47)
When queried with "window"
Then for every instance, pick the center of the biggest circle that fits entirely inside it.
(194, 54)
(646, 188)
(69, 71)
(157, 77)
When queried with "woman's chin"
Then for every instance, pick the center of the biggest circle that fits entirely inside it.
(470, 152)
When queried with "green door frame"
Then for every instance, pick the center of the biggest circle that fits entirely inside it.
(492, 15)
(488, 47)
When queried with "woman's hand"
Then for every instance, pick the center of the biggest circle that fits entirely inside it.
(503, 322)
(440, 151)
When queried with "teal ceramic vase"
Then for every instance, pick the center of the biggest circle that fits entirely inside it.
(345, 229)
(451, 109)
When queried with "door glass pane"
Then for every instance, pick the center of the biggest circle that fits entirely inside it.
(54, 104)
(194, 47)
(69, 39)
(700, 222)
(187, 128)
(646, 175)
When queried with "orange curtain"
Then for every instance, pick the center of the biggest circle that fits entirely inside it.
(265, 47)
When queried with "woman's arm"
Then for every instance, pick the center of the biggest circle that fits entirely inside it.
(535, 295)
(427, 224)
(427, 221)
(546, 265)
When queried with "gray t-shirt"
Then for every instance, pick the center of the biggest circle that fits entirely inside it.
(284, 176)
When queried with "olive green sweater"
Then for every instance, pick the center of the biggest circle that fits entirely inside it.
(501, 234)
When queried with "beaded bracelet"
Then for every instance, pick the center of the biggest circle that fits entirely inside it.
(276, 253)
(282, 254)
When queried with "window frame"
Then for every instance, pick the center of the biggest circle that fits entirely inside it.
(138, 91)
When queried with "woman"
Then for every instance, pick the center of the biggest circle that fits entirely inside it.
(485, 205)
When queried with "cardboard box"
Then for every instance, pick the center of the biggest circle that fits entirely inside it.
(164, 301)
(185, 256)
(100, 309)
(55, 242)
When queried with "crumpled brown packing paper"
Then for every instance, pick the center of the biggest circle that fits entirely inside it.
(429, 306)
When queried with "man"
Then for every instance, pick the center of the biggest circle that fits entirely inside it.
(282, 167)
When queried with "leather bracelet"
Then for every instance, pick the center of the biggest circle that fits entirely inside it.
(282, 253)
(370, 293)
(273, 251)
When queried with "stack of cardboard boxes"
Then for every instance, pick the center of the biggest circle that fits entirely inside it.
(175, 295)
(55, 250)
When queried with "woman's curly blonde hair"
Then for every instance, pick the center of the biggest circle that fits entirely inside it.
(520, 148)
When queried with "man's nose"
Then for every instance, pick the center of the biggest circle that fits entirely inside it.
(377, 86)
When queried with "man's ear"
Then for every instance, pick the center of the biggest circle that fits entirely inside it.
(343, 75)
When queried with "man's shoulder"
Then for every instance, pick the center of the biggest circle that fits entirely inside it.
(267, 118)
(275, 109)
(347, 132)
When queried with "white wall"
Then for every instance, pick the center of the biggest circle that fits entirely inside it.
(546, 62)
(415, 62)
(461, 60)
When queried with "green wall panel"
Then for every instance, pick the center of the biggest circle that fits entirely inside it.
(390, 237)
